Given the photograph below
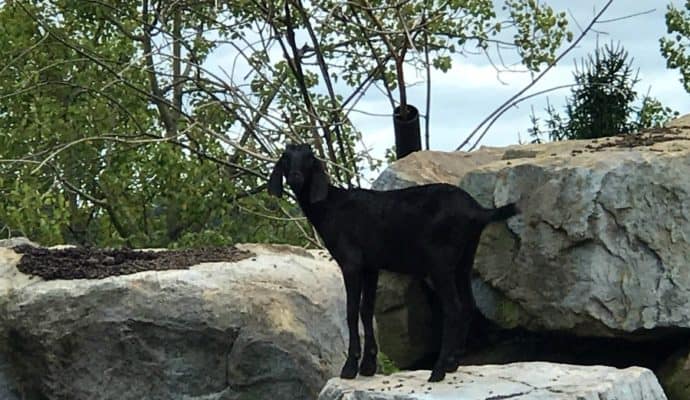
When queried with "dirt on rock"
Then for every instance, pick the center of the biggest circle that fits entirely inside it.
(646, 137)
(93, 263)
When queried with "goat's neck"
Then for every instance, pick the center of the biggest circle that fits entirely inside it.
(316, 213)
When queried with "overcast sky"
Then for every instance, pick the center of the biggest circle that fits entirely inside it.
(464, 96)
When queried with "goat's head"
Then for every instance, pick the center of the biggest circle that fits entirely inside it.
(303, 172)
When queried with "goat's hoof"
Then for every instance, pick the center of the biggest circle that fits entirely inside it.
(368, 366)
(349, 370)
(437, 376)
(452, 366)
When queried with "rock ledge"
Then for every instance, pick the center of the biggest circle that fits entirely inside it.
(517, 381)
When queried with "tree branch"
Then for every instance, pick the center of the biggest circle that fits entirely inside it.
(163, 110)
(491, 118)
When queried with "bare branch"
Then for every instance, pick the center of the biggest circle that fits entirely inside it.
(501, 109)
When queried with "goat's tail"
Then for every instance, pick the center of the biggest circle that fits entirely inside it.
(503, 213)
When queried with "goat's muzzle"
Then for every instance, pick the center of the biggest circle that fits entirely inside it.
(295, 180)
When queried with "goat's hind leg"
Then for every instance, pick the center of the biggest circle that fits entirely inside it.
(448, 294)
(369, 283)
(353, 289)
(463, 283)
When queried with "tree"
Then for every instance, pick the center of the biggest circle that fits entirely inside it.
(379, 38)
(104, 149)
(601, 102)
(116, 128)
(675, 47)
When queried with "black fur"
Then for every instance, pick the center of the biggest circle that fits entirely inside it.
(430, 230)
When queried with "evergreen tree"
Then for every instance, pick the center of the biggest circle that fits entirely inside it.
(602, 101)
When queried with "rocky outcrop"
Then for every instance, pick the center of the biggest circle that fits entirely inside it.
(403, 310)
(602, 245)
(524, 381)
(269, 326)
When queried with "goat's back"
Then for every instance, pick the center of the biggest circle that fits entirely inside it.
(398, 229)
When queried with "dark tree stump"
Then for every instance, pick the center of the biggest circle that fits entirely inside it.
(407, 134)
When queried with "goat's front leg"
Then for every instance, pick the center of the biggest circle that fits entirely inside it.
(369, 283)
(353, 289)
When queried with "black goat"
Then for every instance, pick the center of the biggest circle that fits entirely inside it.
(431, 230)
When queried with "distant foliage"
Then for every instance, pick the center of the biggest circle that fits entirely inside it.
(601, 102)
(89, 158)
(154, 123)
(653, 114)
(676, 47)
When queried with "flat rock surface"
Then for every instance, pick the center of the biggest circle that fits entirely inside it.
(92, 263)
(518, 381)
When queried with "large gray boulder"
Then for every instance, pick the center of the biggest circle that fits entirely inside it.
(603, 243)
(269, 326)
(523, 381)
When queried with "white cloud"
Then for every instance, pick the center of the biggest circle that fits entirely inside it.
(469, 76)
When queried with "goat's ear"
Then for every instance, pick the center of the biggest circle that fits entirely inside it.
(319, 182)
(275, 182)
